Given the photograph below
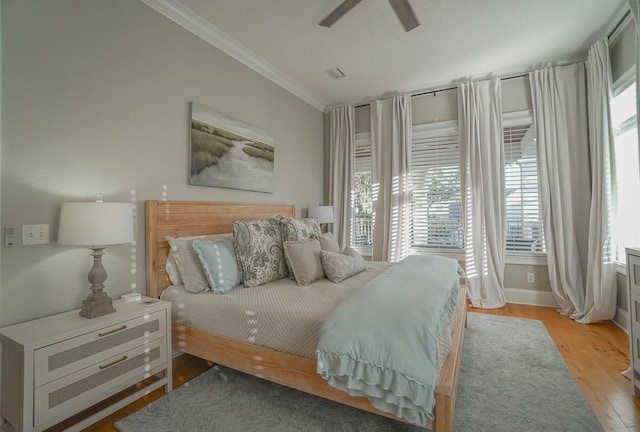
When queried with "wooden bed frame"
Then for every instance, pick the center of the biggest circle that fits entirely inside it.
(182, 218)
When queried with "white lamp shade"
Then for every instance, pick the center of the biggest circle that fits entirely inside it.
(324, 214)
(95, 223)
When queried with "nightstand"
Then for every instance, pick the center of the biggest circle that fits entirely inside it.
(55, 367)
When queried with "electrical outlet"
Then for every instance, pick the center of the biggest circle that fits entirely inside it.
(35, 234)
(531, 277)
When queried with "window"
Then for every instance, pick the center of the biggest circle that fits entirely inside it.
(362, 223)
(437, 218)
(436, 202)
(624, 123)
(523, 217)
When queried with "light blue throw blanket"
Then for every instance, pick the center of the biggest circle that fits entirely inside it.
(381, 342)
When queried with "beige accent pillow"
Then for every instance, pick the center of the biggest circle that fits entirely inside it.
(298, 229)
(189, 266)
(329, 243)
(304, 257)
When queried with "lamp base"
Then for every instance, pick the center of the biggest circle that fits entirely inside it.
(97, 304)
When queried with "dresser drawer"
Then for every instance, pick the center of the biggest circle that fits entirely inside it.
(83, 388)
(58, 360)
(633, 269)
(634, 335)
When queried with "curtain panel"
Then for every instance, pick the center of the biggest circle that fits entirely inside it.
(391, 178)
(482, 174)
(342, 140)
(634, 6)
(560, 115)
(380, 133)
(601, 292)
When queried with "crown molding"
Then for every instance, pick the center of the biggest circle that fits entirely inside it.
(185, 17)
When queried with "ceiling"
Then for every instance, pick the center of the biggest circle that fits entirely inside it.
(457, 40)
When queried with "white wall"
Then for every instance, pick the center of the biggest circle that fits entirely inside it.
(96, 100)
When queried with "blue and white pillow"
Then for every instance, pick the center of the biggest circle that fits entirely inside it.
(218, 260)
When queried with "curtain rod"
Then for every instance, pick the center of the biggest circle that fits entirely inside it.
(433, 92)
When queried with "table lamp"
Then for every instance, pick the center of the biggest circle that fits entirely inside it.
(96, 225)
(324, 214)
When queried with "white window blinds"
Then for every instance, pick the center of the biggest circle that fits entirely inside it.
(435, 198)
(623, 119)
(523, 216)
(362, 223)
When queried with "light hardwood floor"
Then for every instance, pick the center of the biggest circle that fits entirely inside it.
(595, 354)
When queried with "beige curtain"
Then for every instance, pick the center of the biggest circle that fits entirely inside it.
(482, 173)
(634, 5)
(380, 133)
(601, 292)
(342, 140)
(560, 114)
(391, 165)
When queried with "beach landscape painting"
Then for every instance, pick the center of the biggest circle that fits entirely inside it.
(228, 153)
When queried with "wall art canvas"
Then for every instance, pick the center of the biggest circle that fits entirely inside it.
(228, 153)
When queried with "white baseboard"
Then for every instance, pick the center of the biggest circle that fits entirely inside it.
(530, 297)
(176, 353)
(622, 319)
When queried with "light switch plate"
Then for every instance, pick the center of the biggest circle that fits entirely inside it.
(35, 234)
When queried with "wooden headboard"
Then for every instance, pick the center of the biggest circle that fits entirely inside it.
(189, 218)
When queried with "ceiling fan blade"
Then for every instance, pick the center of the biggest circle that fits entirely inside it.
(338, 12)
(405, 14)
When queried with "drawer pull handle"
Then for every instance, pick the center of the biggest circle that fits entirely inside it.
(112, 331)
(113, 362)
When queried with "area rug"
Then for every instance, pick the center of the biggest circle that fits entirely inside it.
(512, 379)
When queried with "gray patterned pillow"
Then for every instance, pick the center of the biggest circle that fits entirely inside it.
(298, 229)
(258, 246)
(338, 267)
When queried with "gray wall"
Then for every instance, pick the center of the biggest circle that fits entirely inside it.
(96, 100)
(435, 107)
(622, 50)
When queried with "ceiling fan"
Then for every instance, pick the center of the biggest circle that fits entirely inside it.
(402, 8)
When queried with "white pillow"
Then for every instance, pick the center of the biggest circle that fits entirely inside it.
(172, 269)
(187, 262)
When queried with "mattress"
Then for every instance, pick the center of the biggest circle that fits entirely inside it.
(279, 315)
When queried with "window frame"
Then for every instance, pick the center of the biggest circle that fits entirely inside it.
(447, 127)
(623, 82)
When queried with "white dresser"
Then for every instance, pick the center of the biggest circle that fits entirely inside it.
(55, 367)
(633, 283)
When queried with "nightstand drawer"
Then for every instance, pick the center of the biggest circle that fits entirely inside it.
(55, 361)
(83, 388)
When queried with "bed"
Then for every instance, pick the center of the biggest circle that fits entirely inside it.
(180, 219)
